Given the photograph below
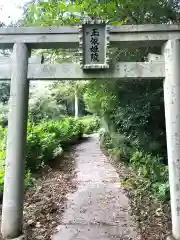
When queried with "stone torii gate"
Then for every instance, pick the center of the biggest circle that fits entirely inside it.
(20, 71)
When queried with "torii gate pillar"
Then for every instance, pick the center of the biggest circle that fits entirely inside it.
(172, 114)
(12, 212)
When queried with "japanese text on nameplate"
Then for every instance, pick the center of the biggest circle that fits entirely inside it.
(94, 46)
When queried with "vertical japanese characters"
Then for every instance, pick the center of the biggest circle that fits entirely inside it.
(94, 47)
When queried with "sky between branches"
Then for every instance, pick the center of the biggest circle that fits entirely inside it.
(11, 10)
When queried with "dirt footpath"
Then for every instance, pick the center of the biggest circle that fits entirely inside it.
(98, 209)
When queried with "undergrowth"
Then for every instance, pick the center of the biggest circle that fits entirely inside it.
(91, 124)
(148, 167)
(45, 141)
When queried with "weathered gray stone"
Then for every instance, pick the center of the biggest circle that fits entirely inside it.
(172, 117)
(13, 195)
(31, 60)
(68, 37)
(69, 71)
(119, 71)
(155, 58)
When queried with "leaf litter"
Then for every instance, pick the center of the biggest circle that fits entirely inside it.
(45, 203)
(152, 217)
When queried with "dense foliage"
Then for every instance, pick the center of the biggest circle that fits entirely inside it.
(91, 124)
(4, 92)
(45, 141)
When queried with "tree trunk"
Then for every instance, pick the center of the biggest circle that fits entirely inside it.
(76, 104)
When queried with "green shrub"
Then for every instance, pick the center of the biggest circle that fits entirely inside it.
(91, 124)
(116, 144)
(153, 170)
(148, 167)
(3, 133)
(105, 139)
(44, 142)
(29, 180)
(3, 114)
(161, 190)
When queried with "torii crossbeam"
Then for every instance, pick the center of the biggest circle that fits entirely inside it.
(71, 71)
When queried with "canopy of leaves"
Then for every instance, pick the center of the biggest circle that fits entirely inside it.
(57, 13)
